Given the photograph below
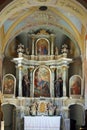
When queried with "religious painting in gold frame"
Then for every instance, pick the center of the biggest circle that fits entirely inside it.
(42, 46)
(9, 85)
(75, 84)
(42, 82)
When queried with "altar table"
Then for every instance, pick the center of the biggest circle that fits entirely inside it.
(42, 122)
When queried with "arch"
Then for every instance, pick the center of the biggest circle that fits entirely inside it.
(9, 115)
(14, 6)
(27, 13)
(77, 115)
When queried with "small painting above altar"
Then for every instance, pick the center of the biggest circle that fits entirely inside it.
(9, 84)
(42, 46)
(42, 82)
(75, 86)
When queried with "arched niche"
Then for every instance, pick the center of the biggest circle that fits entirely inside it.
(9, 116)
(77, 116)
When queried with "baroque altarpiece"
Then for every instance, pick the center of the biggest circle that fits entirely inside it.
(42, 82)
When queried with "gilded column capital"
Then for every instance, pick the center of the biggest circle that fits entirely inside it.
(31, 68)
(20, 67)
(64, 67)
(52, 68)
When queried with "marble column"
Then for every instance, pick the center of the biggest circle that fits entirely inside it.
(19, 71)
(33, 40)
(31, 68)
(52, 44)
(52, 81)
(64, 76)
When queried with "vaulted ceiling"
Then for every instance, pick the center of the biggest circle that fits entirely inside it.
(67, 19)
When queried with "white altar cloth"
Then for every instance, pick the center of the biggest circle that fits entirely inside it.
(42, 122)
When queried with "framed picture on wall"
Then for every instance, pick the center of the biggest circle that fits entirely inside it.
(42, 82)
(9, 85)
(42, 46)
(75, 86)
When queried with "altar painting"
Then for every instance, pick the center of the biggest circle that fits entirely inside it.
(9, 84)
(42, 82)
(75, 85)
(42, 47)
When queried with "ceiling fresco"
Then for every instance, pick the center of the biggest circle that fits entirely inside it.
(60, 17)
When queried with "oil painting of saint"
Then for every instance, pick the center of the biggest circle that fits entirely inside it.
(42, 82)
(9, 84)
(75, 85)
(42, 47)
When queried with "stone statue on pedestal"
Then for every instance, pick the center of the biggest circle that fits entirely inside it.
(26, 86)
(58, 84)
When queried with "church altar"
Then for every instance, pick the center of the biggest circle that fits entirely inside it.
(43, 88)
(42, 122)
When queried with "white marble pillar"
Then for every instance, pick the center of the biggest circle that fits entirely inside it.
(20, 68)
(33, 40)
(31, 68)
(52, 44)
(52, 81)
(64, 76)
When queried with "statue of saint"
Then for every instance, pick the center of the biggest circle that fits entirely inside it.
(58, 87)
(25, 86)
